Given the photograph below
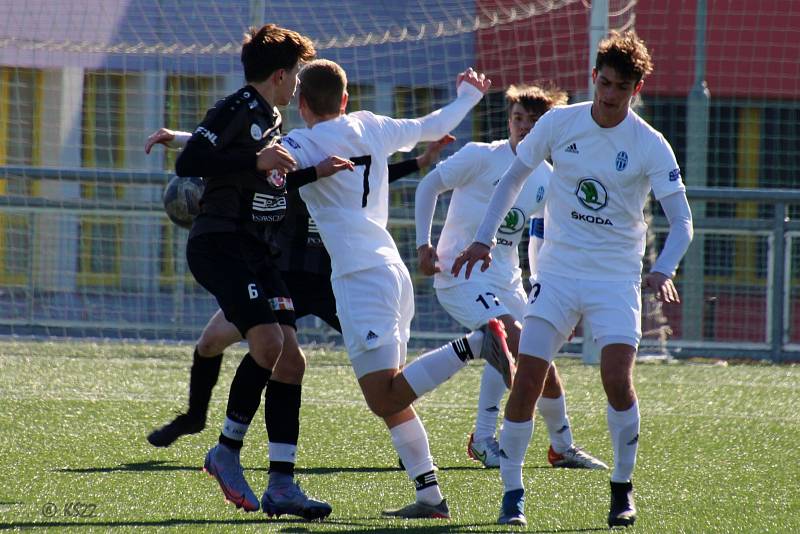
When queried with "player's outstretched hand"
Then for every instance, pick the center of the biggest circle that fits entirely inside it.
(275, 157)
(434, 151)
(662, 286)
(162, 136)
(472, 77)
(470, 256)
(426, 260)
(332, 165)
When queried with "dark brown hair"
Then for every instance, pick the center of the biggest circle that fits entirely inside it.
(626, 53)
(535, 98)
(269, 48)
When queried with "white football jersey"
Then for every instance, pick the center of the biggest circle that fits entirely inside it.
(351, 208)
(601, 178)
(472, 173)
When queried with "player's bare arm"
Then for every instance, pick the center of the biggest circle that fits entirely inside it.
(332, 165)
(275, 157)
(434, 151)
(166, 137)
(426, 260)
(662, 286)
(470, 256)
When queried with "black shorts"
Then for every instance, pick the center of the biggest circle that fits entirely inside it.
(312, 294)
(238, 270)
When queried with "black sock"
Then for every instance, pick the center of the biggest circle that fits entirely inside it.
(202, 379)
(425, 480)
(462, 349)
(245, 395)
(282, 416)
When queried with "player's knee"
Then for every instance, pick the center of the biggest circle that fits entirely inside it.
(618, 387)
(292, 363)
(211, 343)
(265, 346)
(383, 407)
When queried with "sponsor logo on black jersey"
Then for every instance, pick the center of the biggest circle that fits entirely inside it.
(205, 132)
(265, 202)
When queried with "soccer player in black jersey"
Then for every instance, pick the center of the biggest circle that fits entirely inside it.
(247, 177)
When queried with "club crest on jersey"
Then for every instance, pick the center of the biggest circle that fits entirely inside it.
(513, 222)
(255, 131)
(622, 160)
(592, 193)
(276, 179)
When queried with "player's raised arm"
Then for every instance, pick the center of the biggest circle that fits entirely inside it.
(168, 138)
(471, 86)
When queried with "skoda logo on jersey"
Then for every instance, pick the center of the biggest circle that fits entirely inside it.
(592, 194)
(540, 193)
(622, 160)
(513, 222)
(255, 131)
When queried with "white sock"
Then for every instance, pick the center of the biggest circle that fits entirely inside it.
(624, 429)
(514, 439)
(492, 389)
(411, 443)
(234, 430)
(554, 413)
(432, 368)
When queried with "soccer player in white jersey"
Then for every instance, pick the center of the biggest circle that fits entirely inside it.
(472, 173)
(606, 159)
(374, 294)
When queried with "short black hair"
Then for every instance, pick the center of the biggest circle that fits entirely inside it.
(269, 48)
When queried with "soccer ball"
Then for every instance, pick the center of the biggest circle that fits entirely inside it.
(182, 199)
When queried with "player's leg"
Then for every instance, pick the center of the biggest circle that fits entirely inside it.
(219, 263)
(614, 314)
(552, 406)
(368, 324)
(551, 313)
(473, 303)
(282, 415)
(217, 335)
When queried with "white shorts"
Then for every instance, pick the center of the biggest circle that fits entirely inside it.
(375, 307)
(473, 303)
(612, 309)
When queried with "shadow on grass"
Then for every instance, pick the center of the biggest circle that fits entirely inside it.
(166, 466)
(290, 525)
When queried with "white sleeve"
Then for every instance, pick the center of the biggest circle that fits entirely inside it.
(428, 192)
(462, 166)
(440, 122)
(535, 147)
(503, 198)
(663, 170)
(181, 138)
(679, 215)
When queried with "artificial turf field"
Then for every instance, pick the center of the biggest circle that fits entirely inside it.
(719, 448)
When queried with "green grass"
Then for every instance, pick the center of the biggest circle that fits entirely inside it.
(719, 448)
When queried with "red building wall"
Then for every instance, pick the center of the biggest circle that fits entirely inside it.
(753, 47)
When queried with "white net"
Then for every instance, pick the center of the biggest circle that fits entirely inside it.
(85, 248)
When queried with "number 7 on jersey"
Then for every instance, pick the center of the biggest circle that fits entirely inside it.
(364, 161)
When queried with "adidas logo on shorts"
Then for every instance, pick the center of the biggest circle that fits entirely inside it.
(371, 335)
